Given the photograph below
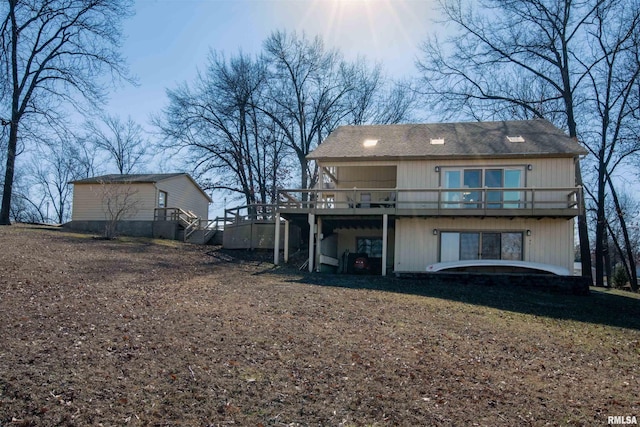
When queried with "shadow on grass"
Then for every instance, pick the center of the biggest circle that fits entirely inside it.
(606, 307)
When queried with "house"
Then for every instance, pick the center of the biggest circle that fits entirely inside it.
(408, 197)
(170, 205)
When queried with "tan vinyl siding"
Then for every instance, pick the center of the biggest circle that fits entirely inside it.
(417, 174)
(415, 245)
(88, 203)
(551, 240)
(89, 200)
(551, 173)
(545, 172)
(181, 193)
(367, 177)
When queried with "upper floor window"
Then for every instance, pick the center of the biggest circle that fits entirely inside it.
(472, 180)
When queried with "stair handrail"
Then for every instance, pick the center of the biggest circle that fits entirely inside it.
(191, 227)
(192, 223)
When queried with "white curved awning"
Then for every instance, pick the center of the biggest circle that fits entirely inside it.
(499, 263)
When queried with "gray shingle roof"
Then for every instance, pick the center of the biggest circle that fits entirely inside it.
(136, 178)
(461, 140)
(127, 178)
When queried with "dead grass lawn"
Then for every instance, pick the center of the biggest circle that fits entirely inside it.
(162, 334)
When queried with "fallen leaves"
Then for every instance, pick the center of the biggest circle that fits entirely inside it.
(103, 332)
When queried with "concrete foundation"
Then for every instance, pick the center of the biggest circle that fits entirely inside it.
(572, 285)
(125, 228)
(166, 230)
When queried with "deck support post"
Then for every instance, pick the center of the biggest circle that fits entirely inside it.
(385, 230)
(251, 238)
(286, 240)
(312, 223)
(276, 240)
(318, 243)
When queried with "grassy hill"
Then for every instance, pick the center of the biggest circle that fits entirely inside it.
(139, 332)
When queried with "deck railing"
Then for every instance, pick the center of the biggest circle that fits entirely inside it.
(190, 221)
(254, 212)
(434, 199)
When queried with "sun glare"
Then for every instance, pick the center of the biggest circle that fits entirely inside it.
(371, 26)
(387, 31)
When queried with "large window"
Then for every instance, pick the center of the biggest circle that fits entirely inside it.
(455, 246)
(499, 178)
(469, 178)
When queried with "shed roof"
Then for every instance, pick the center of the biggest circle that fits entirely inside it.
(523, 138)
(145, 178)
(127, 178)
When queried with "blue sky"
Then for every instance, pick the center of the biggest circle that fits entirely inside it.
(167, 40)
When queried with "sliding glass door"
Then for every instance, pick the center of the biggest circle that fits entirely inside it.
(455, 246)
(496, 181)
(513, 179)
(462, 179)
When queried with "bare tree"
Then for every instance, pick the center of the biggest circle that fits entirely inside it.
(373, 99)
(123, 141)
(519, 57)
(250, 120)
(611, 128)
(119, 202)
(622, 213)
(85, 159)
(53, 52)
(54, 166)
(27, 206)
(219, 124)
(306, 92)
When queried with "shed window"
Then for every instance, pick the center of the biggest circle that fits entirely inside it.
(162, 199)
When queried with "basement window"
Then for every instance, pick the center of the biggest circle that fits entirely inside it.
(437, 141)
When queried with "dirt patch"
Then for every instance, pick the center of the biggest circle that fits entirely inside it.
(163, 334)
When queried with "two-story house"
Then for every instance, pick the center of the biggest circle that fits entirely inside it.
(408, 197)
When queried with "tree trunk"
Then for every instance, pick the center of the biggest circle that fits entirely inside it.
(606, 256)
(600, 221)
(583, 230)
(304, 176)
(633, 274)
(13, 126)
(9, 174)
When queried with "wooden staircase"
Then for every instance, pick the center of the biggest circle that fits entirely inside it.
(189, 222)
(191, 228)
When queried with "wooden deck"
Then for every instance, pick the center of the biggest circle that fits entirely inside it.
(504, 202)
